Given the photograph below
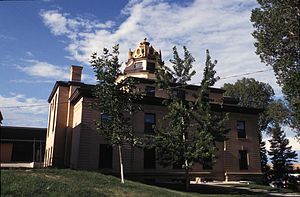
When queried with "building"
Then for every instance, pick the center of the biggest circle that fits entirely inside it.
(22, 144)
(72, 140)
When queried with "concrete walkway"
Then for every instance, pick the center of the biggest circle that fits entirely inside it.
(21, 165)
(256, 190)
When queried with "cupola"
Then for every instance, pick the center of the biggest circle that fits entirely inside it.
(143, 61)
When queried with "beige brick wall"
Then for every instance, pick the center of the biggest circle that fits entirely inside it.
(77, 146)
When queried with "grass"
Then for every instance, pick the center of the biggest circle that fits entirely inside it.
(66, 182)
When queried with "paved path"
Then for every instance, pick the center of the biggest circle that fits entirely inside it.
(255, 190)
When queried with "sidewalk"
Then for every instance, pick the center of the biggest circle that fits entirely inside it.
(240, 186)
(21, 165)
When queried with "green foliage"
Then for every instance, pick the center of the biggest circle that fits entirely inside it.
(265, 168)
(192, 127)
(277, 31)
(277, 112)
(282, 156)
(252, 93)
(115, 99)
(181, 73)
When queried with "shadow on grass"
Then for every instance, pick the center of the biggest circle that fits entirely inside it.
(208, 189)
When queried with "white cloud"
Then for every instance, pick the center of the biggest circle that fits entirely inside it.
(293, 142)
(56, 22)
(19, 110)
(223, 27)
(45, 70)
(6, 37)
(30, 81)
(29, 54)
(62, 24)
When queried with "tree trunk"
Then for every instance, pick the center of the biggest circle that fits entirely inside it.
(121, 164)
(186, 166)
(187, 179)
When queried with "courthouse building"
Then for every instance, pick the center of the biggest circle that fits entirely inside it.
(72, 140)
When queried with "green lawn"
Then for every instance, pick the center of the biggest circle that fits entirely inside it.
(66, 182)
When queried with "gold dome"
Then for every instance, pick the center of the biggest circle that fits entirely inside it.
(145, 50)
(143, 61)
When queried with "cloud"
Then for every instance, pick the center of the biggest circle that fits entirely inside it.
(293, 142)
(46, 70)
(29, 54)
(6, 37)
(30, 81)
(223, 27)
(62, 24)
(19, 110)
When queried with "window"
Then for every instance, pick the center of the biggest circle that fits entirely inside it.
(243, 159)
(49, 119)
(150, 91)
(54, 112)
(240, 127)
(149, 158)
(151, 67)
(207, 163)
(149, 122)
(138, 65)
(51, 155)
(105, 156)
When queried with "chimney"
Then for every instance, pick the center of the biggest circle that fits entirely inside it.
(75, 73)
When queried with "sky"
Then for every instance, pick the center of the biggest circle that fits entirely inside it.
(40, 39)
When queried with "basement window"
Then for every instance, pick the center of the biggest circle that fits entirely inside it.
(149, 158)
(243, 159)
(105, 156)
(207, 163)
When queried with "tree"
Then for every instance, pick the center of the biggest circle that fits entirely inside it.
(277, 32)
(115, 100)
(192, 129)
(265, 168)
(282, 157)
(252, 93)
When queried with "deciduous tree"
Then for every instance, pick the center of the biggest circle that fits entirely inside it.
(277, 34)
(252, 93)
(115, 100)
(193, 128)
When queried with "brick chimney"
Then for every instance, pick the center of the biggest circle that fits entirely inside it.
(75, 73)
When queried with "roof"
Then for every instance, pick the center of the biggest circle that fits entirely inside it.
(229, 105)
(66, 84)
(189, 86)
(24, 133)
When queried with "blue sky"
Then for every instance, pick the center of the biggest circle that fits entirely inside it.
(39, 40)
